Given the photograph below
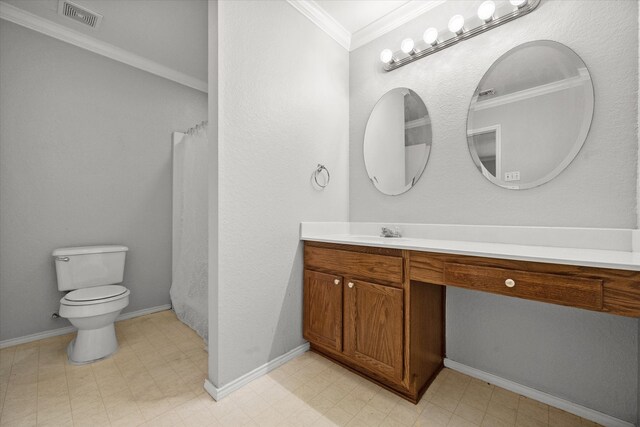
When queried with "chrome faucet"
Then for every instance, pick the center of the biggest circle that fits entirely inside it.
(390, 232)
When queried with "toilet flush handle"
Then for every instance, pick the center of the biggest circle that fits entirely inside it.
(62, 258)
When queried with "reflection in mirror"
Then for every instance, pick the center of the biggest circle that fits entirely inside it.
(530, 114)
(397, 141)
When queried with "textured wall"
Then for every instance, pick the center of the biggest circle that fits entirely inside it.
(213, 348)
(283, 99)
(85, 158)
(597, 190)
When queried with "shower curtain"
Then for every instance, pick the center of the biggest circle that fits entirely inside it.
(190, 230)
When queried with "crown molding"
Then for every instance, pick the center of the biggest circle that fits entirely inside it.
(391, 21)
(29, 20)
(323, 20)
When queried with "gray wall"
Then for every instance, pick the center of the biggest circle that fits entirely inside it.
(283, 110)
(85, 158)
(561, 351)
(584, 357)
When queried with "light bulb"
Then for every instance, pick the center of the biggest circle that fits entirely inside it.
(386, 56)
(430, 36)
(407, 46)
(518, 3)
(456, 24)
(486, 10)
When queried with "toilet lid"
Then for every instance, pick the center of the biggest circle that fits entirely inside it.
(95, 293)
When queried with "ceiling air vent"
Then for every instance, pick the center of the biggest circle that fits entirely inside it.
(79, 13)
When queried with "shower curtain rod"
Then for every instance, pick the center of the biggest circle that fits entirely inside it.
(195, 128)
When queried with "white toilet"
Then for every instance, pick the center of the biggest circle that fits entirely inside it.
(95, 301)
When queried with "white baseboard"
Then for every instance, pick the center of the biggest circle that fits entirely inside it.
(37, 336)
(565, 405)
(69, 329)
(143, 312)
(220, 392)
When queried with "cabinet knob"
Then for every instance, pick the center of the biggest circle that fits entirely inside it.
(350, 284)
(336, 281)
(510, 283)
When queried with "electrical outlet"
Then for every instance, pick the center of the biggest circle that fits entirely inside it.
(512, 176)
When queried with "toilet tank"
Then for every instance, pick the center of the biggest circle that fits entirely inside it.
(87, 266)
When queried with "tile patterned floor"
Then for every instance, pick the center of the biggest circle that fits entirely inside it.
(156, 379)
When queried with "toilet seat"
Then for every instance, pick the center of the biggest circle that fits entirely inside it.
(95, 295)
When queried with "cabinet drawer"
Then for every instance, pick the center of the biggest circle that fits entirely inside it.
(552, 288)
(378, 268)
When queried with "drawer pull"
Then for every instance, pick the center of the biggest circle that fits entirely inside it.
(336, 281)
(510, 283)
(350, 284)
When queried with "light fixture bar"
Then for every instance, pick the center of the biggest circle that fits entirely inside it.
(467, 34)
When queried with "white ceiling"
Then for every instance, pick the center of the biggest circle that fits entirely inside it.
(354, 23)
(172, 33)
(354, 15)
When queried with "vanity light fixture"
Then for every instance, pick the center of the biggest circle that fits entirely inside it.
(487, 14)
(430, 36)
(486, 11)
(518, 3)
(386, 56)
(456, 24)
(407, 46)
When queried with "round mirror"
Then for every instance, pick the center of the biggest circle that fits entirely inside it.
(530, 114)
(397, 141)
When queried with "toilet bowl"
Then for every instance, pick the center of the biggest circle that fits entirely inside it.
(93, 311)
(95, 300)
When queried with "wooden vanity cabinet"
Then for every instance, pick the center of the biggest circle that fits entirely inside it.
(380, 311)
(323, 309)
(358, 310)
(373, 317)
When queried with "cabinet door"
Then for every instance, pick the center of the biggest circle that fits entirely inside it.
(323, 309)
(373, 317)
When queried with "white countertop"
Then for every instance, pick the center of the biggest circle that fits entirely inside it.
(619, 254)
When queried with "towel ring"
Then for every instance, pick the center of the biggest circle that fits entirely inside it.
(317, 172)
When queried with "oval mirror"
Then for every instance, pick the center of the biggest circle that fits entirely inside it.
(397, 141)
(530, 114)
